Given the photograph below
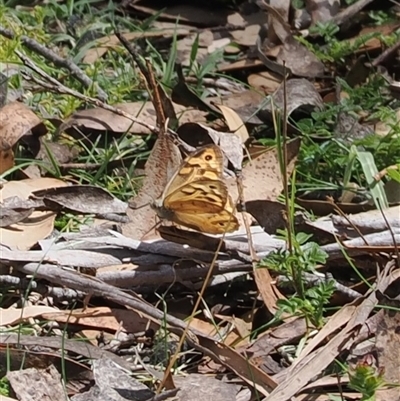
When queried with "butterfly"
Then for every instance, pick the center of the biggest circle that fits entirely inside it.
(196, 195)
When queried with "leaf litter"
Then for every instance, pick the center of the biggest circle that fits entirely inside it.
(88, 266)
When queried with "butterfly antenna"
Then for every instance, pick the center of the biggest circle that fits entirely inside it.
(151, 229)
(133, 205)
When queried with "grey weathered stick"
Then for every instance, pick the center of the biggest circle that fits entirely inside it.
(165, 275)
(96, 287)
(386, 54)
(58, 61)
(23, 283)
(350, 12)
(77, 347)
(313, 280)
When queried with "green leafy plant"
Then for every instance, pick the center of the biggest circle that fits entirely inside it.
(304, 257)
(366, 379)
(327, 162)
(335, 50)
(327, 30)
(394, 173)
(381, 17)
(4, 387)
(68, 222)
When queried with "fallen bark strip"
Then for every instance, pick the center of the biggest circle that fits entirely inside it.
(166, 274)
(22, 283)
(77, 347)
(361, 246)
(94, 286)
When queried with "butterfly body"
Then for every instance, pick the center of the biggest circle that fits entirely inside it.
(196, 196)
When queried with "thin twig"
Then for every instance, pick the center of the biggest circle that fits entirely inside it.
(62, 89)
(22, 283)
(162, 104)
(58, 61)
(386, 54)
(350, 12)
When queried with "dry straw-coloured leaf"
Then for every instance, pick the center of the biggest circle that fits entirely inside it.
(12, 316)
(35, 227)
(5, 398)
(234, 122)
(244, 103)
(100, 318)
(268, 82)
(248, 36)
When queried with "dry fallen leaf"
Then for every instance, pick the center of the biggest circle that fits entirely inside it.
(16, 121)
(239, 65)
(37, 384)
(196, 135)
(374, 43)
(300, 94)
(100, 318)
(248, 36)
(82, 199)
(262, 178)
(6, 156)
(35, 227)
(193, 14)
(184, 47)
(297, 58)
(113, 383)
(164, 159)
(234, 122)
(387, 347)
(267, 81)
(281, 9)
(207, 388)
(383, 128)
(12, 316)
(323, 10)
(104, 120)
(244, 104)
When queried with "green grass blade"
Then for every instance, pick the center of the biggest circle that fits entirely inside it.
(367, 162)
